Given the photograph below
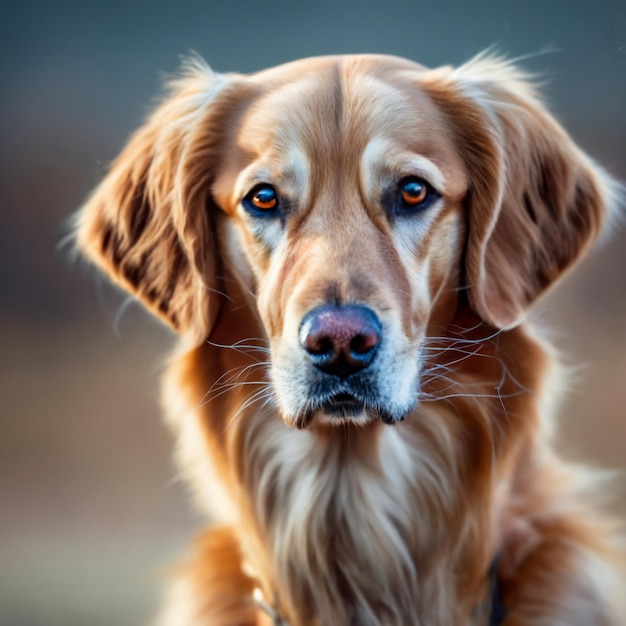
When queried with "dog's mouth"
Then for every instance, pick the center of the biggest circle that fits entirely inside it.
(345, 407)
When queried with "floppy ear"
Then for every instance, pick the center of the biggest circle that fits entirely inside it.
(147, 224)
(535, 202)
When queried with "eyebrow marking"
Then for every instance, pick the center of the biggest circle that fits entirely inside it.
(425, 168)
(382, 159)
(251, 176)
(289, 173)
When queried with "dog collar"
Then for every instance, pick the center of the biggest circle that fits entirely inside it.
(259, 601)
(496, 612)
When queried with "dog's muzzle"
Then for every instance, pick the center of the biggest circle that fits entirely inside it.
(342, 343)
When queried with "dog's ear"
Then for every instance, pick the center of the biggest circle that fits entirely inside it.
(535, 201)
(148, 223)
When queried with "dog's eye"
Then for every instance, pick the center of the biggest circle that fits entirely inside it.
(415, 193)
(262, 200)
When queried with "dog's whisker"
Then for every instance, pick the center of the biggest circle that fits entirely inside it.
(235, 375)
(461, 340)
(241, 346)
(229, 388)
(261, 394)
(466, 355)
(437, 398)
(218, 292)
(251, 339)
(226, 387)
(461, 330)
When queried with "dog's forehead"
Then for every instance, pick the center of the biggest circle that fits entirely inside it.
(333, 121)
(336, 104)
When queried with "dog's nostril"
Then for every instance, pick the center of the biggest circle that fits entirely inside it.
(363, 343)
(314, 344)
(340, 340)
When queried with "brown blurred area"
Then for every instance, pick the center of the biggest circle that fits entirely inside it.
(92, 509)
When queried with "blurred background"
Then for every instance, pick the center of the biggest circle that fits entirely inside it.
(92, 511)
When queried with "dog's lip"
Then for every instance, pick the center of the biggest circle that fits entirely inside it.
(346, 400)
(343, 404)
(347, 405)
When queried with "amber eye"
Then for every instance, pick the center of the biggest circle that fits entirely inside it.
(414, 195)
(414, 192)
(263, 199)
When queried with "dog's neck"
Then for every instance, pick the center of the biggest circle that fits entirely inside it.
(354, 525)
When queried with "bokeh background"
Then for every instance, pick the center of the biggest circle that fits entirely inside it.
(92, 511)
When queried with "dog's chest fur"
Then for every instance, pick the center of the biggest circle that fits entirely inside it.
(359, 526)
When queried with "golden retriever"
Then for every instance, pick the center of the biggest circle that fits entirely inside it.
(348, 247)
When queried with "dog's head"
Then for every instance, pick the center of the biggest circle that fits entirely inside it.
(361, 202)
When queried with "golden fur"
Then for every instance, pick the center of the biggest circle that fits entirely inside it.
(348, 520)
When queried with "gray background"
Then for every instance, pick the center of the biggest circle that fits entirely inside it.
(92, 510)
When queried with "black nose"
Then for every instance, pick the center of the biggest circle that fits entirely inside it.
(340, 340)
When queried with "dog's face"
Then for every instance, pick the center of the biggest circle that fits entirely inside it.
(361, 201)
(344, 196)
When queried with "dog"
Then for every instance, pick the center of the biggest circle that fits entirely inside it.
(348, 248)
